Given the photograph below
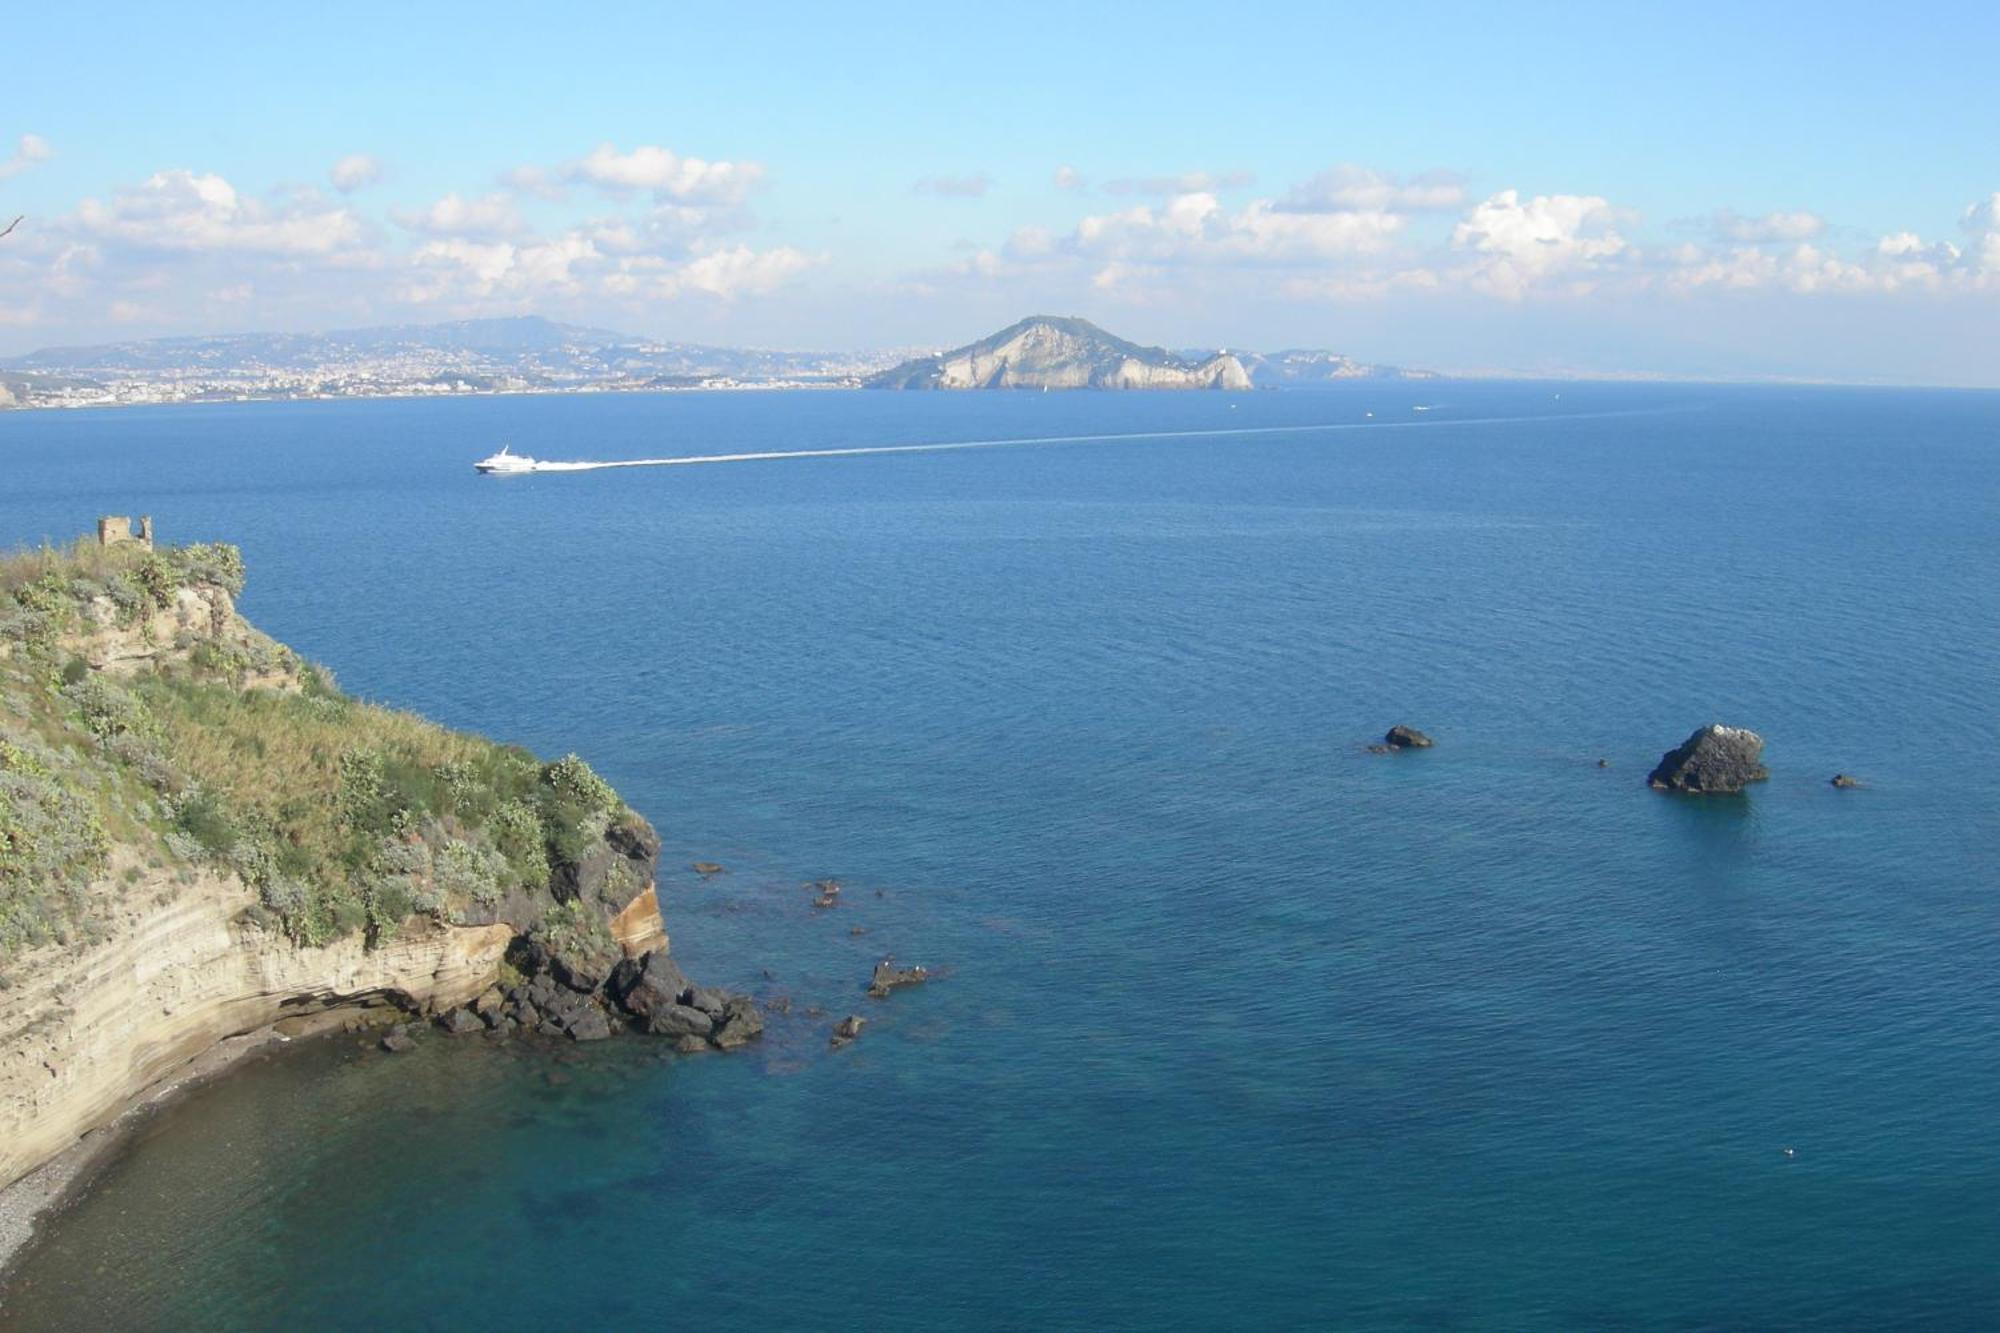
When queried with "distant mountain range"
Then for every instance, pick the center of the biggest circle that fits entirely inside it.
(529, 354)
(1063, 352)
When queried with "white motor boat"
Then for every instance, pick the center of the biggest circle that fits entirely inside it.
(504, 461)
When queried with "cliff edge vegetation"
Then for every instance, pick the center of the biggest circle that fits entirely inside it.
(200, 834)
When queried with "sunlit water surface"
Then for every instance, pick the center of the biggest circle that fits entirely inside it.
(1242, 1026)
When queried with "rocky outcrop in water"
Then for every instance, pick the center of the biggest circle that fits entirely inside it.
(887, 976)
(1715, 760)
(648, 994)
(1400, 737)
(1846, 780)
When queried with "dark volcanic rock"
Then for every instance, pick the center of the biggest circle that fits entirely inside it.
(888, 976)
(678, 1020)
(1714, 760)
(1406, 738)
(707, 999)
(647, 985)
(591, 1026)
(848, 1029)
(612, 869)
(461, 1023)
(741, 1025)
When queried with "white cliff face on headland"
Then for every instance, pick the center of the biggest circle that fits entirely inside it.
(1050, 352)
(1055, 352)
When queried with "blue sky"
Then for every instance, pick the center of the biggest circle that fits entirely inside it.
(1783, 190)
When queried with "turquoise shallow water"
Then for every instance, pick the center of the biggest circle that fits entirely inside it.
(1243, 1027)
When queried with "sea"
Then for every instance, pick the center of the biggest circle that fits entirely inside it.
(1234, 1024)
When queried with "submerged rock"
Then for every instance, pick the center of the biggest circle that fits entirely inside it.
(707, 868)
(397, 1040)
(1401, 737)
(847, 1030)
(1846, 780)
(1715, 760)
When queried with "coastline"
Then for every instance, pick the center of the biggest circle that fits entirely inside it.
(28, 1202)
(537, 392)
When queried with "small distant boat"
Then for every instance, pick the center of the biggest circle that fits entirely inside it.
(505, 461)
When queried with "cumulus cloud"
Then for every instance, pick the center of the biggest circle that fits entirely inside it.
(1192, 182)
(354, 172)
(1981, 221)
(1196, 227)
(956, 187)
(1068, 178)
(1521, 244)
(1727, 225)
(454, 215)
(186, 211)
(1351, 187)
(667, 174)
(29, 149)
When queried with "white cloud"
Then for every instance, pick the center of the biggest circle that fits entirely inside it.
(1196, 228)
(1068, 178)
(741, 271)
(1352, 187)
(1981, 221)
(1524, 244)
(1191, 182)
(354, 172)
(184, 211)
(667, 174)
(956, 187)
(459, 268)
(29, 149)
(1771, 227)
(453, 215)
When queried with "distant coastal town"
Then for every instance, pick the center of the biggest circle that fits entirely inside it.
(533, 355)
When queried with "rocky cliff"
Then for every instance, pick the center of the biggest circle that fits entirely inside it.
(200, 836)
(1050, 352)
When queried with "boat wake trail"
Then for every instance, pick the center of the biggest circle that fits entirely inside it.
(1220, 432)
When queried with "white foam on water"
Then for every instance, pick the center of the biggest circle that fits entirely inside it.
(857, 451)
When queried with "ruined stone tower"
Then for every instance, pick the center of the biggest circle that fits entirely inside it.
(115, 528)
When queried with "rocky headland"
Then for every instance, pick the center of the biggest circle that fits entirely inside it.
(1058, 352)
(202, 840)
(1064, 352)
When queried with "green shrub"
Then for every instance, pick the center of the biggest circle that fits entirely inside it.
(573, 781)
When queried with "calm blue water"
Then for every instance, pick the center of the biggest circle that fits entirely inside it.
(1243, 1027)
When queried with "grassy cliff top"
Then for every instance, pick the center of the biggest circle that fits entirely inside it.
(145, 726)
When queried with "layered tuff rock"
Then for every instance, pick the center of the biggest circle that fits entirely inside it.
(85, 1030)
(1715, 760)
(1048, 352)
